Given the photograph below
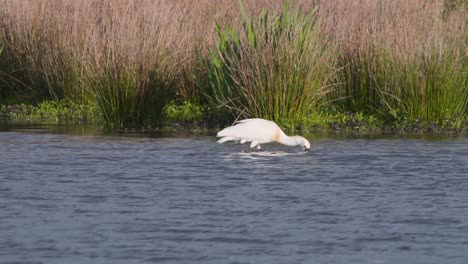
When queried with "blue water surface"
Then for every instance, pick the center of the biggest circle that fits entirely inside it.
(96, 198)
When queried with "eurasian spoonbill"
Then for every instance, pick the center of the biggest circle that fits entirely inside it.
(260, 131)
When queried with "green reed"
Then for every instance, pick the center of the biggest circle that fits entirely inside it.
(128, 96)
(277, 66)
(429, 86)
(355, 92)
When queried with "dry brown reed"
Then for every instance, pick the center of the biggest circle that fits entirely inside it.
(134, 31)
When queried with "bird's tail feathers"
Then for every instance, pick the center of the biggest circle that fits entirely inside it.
(224, 139)
(227, 132)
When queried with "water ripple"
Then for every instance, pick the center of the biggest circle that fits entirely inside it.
(105, 199)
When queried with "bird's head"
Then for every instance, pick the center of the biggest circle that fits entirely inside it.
(304, 143)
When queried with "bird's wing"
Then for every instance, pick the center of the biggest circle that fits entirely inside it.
(255, 129)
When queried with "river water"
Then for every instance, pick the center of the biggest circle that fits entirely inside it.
(76, 197)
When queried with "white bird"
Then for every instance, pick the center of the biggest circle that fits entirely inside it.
(260, 131)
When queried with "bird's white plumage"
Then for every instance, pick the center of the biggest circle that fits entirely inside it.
(249, 130)
(259, 131)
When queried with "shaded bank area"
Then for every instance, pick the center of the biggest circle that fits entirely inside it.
(190, 118)
(308, 65)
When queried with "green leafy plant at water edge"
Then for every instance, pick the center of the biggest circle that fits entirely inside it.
(333, 120)
(187, 112)
(277, 66)
(63, 111)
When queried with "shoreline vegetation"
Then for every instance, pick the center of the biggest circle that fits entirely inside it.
(392, 66)
(188, 117)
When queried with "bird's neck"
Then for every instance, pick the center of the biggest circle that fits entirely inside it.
(287, 140)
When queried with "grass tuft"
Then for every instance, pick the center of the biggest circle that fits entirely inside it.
(277, 66)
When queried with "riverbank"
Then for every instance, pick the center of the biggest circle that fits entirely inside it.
(308, 65)
(194, 118)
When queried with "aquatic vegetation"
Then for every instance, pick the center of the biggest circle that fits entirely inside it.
(277, 66)
(322, 63)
